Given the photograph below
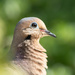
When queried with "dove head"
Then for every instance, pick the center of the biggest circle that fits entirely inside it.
(30, 28)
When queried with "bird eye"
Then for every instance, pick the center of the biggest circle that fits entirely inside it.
(34, 25)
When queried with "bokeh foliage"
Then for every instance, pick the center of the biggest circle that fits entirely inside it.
(59, 17)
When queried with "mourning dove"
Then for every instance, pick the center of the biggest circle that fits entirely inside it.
(26, 50)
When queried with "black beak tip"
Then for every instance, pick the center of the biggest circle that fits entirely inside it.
(54, 36)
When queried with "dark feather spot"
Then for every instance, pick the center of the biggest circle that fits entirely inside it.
(28, 37)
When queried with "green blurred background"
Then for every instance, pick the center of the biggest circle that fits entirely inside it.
(59, 17)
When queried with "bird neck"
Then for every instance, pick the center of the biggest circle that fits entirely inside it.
(31, 55)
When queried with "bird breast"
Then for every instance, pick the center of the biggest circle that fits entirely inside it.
(31, 57)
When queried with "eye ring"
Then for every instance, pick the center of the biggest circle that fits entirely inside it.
(34, 25)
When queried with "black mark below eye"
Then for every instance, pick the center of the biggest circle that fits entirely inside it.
(28, 37)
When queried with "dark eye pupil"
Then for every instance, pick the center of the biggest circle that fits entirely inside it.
(34, 25)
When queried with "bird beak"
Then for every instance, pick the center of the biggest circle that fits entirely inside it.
(48, 33)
